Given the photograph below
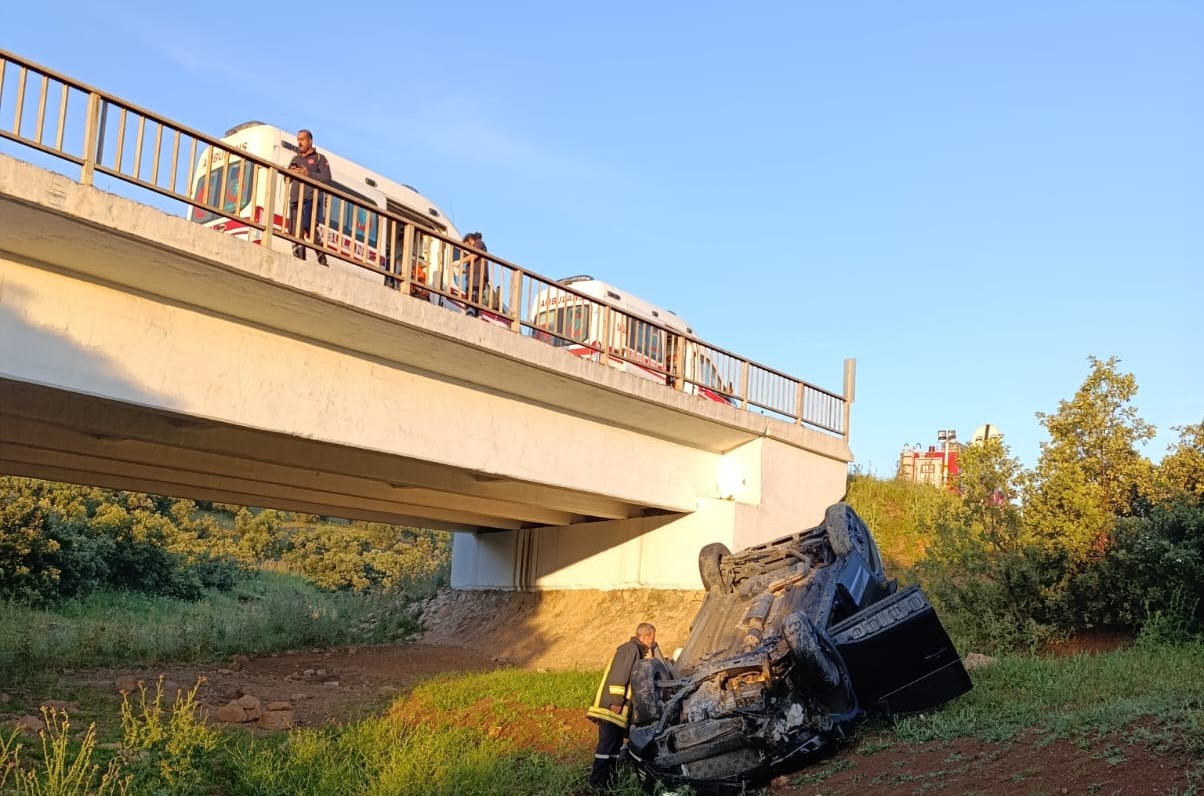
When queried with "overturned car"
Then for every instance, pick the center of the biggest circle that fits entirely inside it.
(796, 640)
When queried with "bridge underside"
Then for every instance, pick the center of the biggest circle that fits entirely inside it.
(60, 435)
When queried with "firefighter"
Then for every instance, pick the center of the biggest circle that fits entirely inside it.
(611, 710)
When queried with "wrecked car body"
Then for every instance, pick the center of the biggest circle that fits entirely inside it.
(796, 641)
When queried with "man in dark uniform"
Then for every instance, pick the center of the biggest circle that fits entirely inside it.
(476, 270)
(611, 710)
(308, 162)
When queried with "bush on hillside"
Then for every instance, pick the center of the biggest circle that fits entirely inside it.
(1153, 568)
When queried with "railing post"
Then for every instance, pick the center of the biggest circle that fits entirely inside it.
(91, 138)
(516, 301)
(800, 396)
(269, 223)
(679, 362)
(850, 391)
(605, 338)
(744, 384)
(407, 257)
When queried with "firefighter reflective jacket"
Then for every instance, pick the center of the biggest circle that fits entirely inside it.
(616, 683)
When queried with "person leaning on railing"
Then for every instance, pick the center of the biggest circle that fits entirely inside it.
(476, 269)
(308, 162)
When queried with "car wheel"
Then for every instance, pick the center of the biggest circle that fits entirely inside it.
(803, 639)
(709, 560)
(847, 533)
(645, 701)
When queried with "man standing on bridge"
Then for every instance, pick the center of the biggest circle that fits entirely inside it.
(308, 162)
(611, 710)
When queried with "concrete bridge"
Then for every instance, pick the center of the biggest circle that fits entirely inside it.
(141, 351)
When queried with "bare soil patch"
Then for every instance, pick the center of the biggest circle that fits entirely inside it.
(557, 630)
(1106, 766)
(322, 686)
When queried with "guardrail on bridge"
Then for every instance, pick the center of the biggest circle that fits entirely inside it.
(102, 133)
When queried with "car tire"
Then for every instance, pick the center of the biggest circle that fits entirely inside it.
(645, 703)
(847, 533)
(803, 639)
(710, 559)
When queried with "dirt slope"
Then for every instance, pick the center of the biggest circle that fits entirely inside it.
(556, 630)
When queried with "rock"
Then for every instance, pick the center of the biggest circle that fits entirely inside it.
(321, 672)
(278, 705)
(308, 672)
(276, 719)
(976, 660)
(232, 713)
(251, 705)
(225, 671)
(58, 705)
(126, 684)
(299, 696)
(30, 724)
(331, 683)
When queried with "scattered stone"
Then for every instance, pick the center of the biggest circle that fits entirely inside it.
(276, 720)
(352, 650)
(252, 706)
(59, 705)
(976, 660)
(239, 661)
(780, 783)
(225, 671)
(321, 672)
(126, 684)
(30, 724)
(278, 705)
(308, 672)
(232, 713)
(332, 683)
(299, 696)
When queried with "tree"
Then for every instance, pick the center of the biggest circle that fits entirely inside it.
(983, 564)
(1090, 472)
(1182, 470)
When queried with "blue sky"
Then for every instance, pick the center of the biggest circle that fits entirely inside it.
(968, 198)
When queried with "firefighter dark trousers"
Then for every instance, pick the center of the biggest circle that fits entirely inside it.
(606, 756)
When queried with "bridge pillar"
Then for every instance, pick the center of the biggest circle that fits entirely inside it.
(768, 489)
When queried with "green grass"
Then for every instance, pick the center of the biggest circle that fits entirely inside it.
(897, 512)
(267, 612)
(1076, 696)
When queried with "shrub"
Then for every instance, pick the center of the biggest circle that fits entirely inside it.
(1151, 569)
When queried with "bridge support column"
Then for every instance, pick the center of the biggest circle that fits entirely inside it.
(767, 489)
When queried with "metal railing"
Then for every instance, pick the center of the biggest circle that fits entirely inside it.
(103, 134)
